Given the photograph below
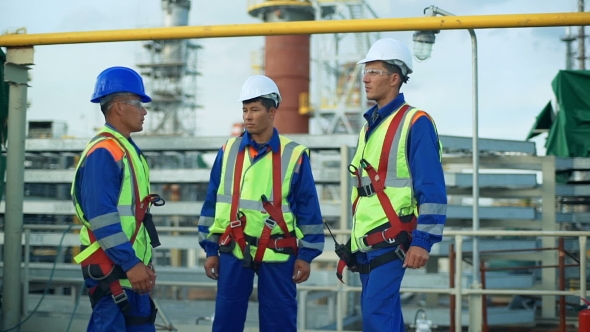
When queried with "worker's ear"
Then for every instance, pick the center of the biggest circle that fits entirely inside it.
(273, 112)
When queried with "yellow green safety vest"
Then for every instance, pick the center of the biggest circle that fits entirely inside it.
(256, 180)
(126, 203)
(398, 181)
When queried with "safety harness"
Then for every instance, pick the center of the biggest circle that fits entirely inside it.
(100, 267)
(395, 233)
(285, 243)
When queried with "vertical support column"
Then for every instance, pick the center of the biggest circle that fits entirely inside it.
(16, 74)
(583, 241)
(342, 297)
(458, 283)
(549, 257)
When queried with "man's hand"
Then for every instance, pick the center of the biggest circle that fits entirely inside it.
(416, 257)
(142, 278)
(301, 271)
(212, 267)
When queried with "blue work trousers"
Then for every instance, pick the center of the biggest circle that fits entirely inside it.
(380, 300)
(106, 315)
(277, 295)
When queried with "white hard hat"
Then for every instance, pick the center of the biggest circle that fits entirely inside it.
(260, 86)
(391, 51)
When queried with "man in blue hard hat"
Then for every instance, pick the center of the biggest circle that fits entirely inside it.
(112, 199)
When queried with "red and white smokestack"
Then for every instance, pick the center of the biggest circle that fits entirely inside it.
(286, 61)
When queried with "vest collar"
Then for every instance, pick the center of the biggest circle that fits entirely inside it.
(385, 111)
(274, 143)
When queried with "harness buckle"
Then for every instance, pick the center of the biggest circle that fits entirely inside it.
(270, 223)
(386, 239)
(276, 247)
(235, 223)
(401, 254)
(120, 297)
(361, 243)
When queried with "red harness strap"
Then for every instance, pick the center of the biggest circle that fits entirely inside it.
(99, 257)
(378, 182)
(235, 230)
(275, 212)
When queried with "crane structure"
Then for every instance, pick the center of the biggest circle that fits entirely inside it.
(336, 100)
(170, 70)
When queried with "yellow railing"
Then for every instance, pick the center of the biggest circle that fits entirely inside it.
(303, 28)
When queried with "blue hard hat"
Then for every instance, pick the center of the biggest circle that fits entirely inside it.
(116, 80)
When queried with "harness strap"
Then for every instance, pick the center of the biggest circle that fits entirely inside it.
(110, 285)
(387, 257)
(235, 229)
(105, 270)
(377, 187)
(347, 258)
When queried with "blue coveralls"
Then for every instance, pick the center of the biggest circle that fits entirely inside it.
(380, 298)
(98, 185)
(276, 290)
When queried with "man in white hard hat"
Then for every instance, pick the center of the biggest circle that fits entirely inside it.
(399, 203)
(261, 216)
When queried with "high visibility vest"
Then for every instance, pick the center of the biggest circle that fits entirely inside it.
(369, 213)
(256, 180)
(126, 203)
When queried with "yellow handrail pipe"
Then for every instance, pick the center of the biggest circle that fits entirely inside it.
(303, 28)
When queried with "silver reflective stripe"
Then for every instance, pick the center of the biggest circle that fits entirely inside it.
(433, 208)
(392, 182)
(317, 246)
(434, 229)
(232, 158)
(125, 211)
(311, 229)
(113, 240)
(206, 221)
(392, 161)
(201, 236)
(248, 204)
(286, 158)
(105, 220)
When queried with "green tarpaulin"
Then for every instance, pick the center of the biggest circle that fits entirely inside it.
(569, 132)
(543, 122)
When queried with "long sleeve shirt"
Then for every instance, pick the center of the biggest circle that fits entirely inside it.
(303, 201)
(426, 170)
(98, 185)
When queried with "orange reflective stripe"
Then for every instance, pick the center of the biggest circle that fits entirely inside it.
(420, 114)
(110, 146)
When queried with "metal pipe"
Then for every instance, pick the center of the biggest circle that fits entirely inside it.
(561, 270)
(475, 165)
(458, 284)
(582, 240)
(302, 28)
(484, 304)
(453, 298)
(26, 271)
(16, 74)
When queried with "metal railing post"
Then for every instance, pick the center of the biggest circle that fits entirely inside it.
(458, 283)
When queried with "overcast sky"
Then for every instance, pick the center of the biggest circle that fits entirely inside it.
(516, 66)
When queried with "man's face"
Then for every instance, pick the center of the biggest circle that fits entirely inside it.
(257, 118)
(378, 81)
(132, 113)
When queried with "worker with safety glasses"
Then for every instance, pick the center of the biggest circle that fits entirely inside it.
(111, 194)
(261, 216)
(399, 197)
